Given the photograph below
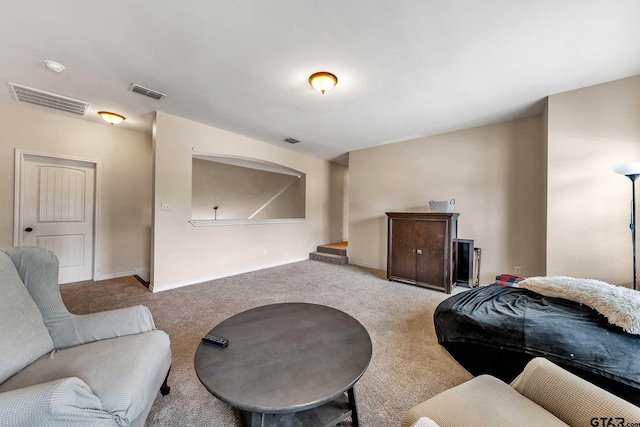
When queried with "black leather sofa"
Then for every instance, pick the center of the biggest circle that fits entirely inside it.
(496, 330)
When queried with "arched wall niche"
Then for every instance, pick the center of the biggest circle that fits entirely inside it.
(230, 190)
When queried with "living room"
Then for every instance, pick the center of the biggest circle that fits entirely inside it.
(518, 111)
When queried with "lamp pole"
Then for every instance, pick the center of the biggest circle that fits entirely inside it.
(632, 226)
(631, 171)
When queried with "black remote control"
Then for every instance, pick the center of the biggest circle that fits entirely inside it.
(216, 340)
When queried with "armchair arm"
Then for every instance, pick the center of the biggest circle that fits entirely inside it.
(72, 330)
(570, 398)
(68, 402)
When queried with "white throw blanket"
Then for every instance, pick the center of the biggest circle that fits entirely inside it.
(621, 306)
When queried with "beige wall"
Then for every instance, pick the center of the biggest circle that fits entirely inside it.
(589, 205)
(184, 254)
(495, 173)
(339, 192)
(545, 158)
(125, 206)
(345, 206)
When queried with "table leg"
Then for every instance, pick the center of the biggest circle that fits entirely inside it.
(257, 419)
(353, 405)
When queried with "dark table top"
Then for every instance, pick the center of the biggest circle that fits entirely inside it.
(284, 357)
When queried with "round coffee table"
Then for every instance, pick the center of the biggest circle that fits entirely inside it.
(287, 364)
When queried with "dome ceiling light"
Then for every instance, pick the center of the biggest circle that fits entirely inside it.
(111, 118)
(323, 81)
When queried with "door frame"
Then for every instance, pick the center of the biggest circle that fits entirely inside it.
(18, 199)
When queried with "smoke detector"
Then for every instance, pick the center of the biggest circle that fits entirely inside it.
(54, 66)
(291, 140)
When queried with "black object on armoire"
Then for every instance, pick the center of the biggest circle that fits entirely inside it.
(463, 268)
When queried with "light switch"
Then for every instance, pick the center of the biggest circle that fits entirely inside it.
(165, 206)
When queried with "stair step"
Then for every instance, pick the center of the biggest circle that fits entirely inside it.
(330, 258)
(332, 249)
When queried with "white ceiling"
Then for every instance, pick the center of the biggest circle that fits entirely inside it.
(406, 68)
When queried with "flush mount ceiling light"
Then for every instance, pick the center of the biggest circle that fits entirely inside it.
(323, 81)
(111, 118)
(54, 66)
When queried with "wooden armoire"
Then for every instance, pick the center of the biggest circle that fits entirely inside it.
(421, 248)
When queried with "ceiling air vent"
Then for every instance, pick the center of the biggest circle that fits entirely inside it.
(47, 99)
(147, 92)
(291, 140)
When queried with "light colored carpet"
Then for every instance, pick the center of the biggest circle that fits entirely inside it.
(407, 366)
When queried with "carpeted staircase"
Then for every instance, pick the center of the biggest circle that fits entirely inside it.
(333, 253)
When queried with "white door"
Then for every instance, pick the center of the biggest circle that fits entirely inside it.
(56, 212)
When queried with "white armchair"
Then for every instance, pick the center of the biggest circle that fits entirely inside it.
(544, 394)
(61, 369)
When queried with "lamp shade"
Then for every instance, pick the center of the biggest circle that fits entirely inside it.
(111, 118)
(323, 81)
(627, 169)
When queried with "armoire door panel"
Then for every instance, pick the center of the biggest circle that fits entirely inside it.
(403, 258)
(430, 240)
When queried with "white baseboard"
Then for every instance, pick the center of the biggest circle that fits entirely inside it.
(363, 264)
(143, 273)
(114, 275)
(221, 276)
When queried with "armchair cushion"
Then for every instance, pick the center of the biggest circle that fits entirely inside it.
(23, 335)
(122, 372)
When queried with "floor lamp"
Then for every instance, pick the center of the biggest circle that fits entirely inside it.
(631, 171)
